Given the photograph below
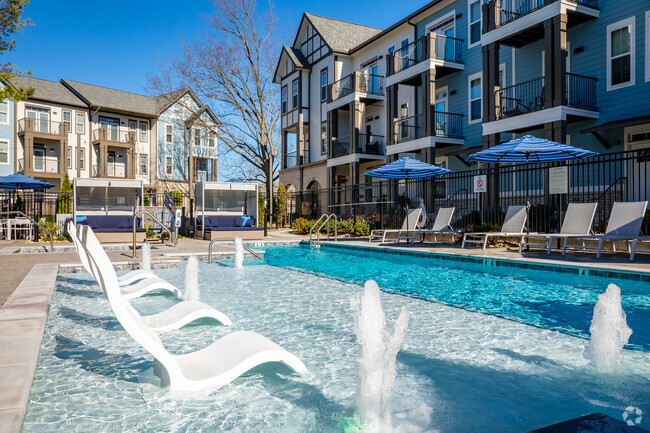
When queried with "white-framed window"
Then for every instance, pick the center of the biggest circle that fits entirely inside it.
(39, 158)
(80, 123)
(620, 54)
(133, 125)
(647, 45)
(168, 165)
(4, 152)
(82, 159)
(67, 119)
(475, 22)
(144, 131)
(323, 137)
(169, 134)
(475, 100)
(284, 100)
(4, 112)
(294, 93)
(323, 85)
(144, 164)
(211, 141)
(69, 157)
(197, 137)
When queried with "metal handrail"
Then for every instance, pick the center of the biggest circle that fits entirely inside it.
(336, 230)
(160, 223)
(36, 223)
(250, 250)
(315, 224)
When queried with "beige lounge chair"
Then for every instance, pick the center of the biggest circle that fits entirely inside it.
(513, 226)
(441, 225)
(412, 221)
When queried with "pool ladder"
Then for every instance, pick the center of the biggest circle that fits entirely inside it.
(318, 226)
(247, 249)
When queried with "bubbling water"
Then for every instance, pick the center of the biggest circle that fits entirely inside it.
(146, 256)
(192, 279)
(609, 331)
(378, 343)
(239, 252)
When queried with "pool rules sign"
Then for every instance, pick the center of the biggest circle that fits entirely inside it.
(480, 183)
(558, 180)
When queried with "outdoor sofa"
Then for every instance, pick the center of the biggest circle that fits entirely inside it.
(229, 226)
(113, 228)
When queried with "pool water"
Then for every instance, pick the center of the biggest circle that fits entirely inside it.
(466, 364)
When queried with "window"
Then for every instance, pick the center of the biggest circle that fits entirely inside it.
(168, 165)
(197, 137)
(82, 159)
(4, 152)
(144, 126)
(67, 119)
(294, 94)
(169, 134)
(323, 85)
(211, 140)
(404, 53)
(80, 123)
(620, 54)
(323, 138)
(39, 158)
(69, 156)
(475, 98)
(4, 112)
(133, 125)
(284, 99)
(144, 164)
(474, 22)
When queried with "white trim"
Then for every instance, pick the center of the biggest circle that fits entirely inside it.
(451, 14)
(469, 23)
(469, 98)
(169, 125)
(647, 45)
(610, 28)
(536, 118)
(348, 159)
(6, 101)
(5, 141)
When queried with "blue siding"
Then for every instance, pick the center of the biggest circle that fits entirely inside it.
(7, 133)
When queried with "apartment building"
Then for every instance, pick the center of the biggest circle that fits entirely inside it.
(92, 131)
(459, 75)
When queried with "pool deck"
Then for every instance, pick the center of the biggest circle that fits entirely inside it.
(28, 282)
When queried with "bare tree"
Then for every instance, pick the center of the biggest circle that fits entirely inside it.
(231, 70)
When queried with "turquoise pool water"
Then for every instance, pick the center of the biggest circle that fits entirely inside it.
(559, 301)
(469, 363)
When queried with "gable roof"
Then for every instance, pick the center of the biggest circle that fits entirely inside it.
(97, 96)
(341, 36)
(296, 57)
(45, 90)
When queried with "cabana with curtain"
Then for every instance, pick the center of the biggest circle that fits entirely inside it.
(108, 207)
(227, 210)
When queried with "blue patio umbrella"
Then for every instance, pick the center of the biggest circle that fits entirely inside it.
(407, 168)
(530, 149)
(20, 181)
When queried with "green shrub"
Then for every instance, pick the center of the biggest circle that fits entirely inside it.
(299, 225)
(362, 228)
(485, 227)
(49, 224)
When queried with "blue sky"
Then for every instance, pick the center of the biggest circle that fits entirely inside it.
(115, 44)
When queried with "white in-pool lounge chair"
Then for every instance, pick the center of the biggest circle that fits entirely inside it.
(412, 221)
(513, 226)
(624, 224)
(441, 225)
(173, 318)
(147, 284)
(577, 222)
(214, 366)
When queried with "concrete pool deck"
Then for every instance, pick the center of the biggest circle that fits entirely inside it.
(28, 281)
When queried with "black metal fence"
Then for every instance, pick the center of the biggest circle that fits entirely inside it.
(548, 188)
(36, 204)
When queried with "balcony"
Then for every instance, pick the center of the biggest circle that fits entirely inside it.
(112, 171)
(42, 127)
(445, 125)
(114, 135)
(529, 97)
(340, 146)
(517, 23)
(369, 86)
(202, 151)
(294, 161)
(365, 145)
(432, 51)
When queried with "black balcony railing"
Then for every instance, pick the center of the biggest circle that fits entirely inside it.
(581, 91)
(370, 84)
(407, 129)
(429, 46)
(510, 10)
(292, 159)
(590, 3)
(447, 124)
(370, 144)
(407, 56)
(357, 82)
(521, 98)
(341, 88)
(340, 146)
(447, 48)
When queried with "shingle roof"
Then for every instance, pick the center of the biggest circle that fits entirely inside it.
(340, 35)
(47, 90)
(116, 99)
(297, 57)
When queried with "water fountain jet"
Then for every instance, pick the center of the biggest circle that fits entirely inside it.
(379, 342)
(146, 257)
(192, 279)
(609, 331)
(239, 253)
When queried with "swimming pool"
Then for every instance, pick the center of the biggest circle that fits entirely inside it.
(482, 352)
